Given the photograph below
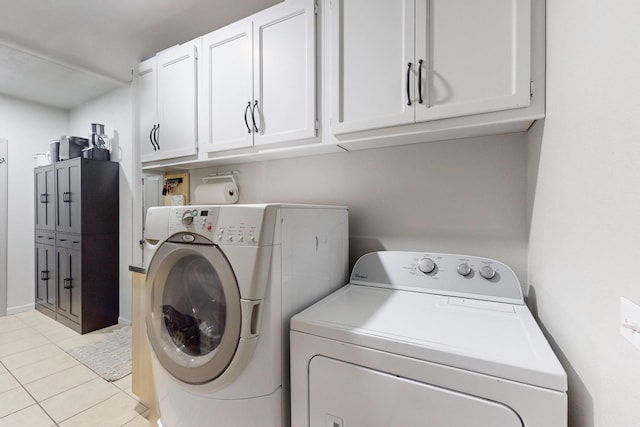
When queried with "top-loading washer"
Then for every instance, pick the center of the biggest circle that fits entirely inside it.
(420, 339)
(221, 286)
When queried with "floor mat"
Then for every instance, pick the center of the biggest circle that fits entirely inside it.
(109, 358)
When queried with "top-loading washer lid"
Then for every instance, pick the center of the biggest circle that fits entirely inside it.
(497, 339)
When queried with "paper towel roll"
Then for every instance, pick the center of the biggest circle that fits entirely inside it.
(214, 194)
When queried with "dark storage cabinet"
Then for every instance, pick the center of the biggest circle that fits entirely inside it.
(86, 196)
(46, 291)
(69, 278)
(45, 207)
(77, 247)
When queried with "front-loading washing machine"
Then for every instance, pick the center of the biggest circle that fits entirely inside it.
(221, 287)
(421, 339)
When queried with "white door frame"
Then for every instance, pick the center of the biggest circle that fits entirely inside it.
(4, 212)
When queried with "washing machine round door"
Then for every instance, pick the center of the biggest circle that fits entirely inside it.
(194, 314)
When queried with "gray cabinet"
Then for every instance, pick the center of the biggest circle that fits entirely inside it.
(46, 291)
(45, 200)
(69, 277)
(68, 196)
(86, 196)
(77, 251)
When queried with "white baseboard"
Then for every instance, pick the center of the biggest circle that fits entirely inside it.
(20, 308)
(123, 321)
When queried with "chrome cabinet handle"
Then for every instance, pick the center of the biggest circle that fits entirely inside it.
(420, 81)
(44, 198)
(253, 116)
(44, 275)
(67, 283)
(408, 83)
(246, 122)
(66, 197)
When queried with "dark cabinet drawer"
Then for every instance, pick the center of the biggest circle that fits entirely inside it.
(69, 241)
(45, 237)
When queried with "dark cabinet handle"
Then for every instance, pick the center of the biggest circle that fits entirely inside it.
(246, 122)
(67, 283)
(156, 136)
(44, 198)
(63, 240)
(153, 130)
(44, 275)
(66, 197)
(253, 116)
(408, 83)
(420, 81)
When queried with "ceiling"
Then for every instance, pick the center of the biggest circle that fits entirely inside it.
(63, 53)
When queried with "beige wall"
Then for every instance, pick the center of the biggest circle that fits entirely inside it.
(463, 196)
(28, 128)
(585, 205)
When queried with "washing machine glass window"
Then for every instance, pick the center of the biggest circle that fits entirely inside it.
(194, 320)
(194, 307)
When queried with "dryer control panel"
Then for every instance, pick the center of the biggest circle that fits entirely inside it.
(436, 273)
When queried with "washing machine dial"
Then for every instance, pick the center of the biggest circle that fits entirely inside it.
(426, 265)
(487, 272)
(187, 218)
(464, 269)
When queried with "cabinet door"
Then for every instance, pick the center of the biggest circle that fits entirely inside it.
(68, 197)
(285, 72)
(372, 64)
(69, 283)
(227, 87)
(147, 89)
(45, 199)
(476, 56)
(177, 86)
(45, 276)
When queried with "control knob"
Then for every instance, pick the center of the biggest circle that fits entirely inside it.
(487, 272)
(464, 269)
(426, 265)
(187, 218)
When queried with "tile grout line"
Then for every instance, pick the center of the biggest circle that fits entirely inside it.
(57, 394)
(37, 402)
(112, 383)
(30, 395)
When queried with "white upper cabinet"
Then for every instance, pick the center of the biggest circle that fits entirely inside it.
(258, 79)
(147, 91)
(227, 87)
(372, 43)
(399, 62)
(167, 104)
(284, 70)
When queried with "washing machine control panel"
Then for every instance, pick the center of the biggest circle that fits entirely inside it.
(221, 224)
(437, 273)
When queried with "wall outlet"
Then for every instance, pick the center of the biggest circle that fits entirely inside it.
(630, 321)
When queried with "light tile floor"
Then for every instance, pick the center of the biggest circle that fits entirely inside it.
(42, 386)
